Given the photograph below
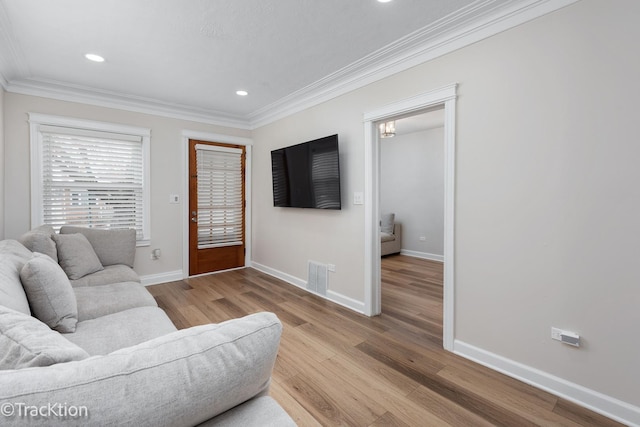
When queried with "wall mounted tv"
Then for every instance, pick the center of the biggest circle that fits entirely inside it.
(307, 175)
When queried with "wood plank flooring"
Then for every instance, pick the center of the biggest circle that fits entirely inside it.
(336, 367)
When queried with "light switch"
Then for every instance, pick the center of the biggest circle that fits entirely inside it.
(358, 198)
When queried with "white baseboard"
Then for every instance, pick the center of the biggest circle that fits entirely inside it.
(345, 301)
(423, 255)
(608, 406)
(154, 279)
(280, 275)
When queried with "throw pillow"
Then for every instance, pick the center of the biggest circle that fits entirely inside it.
(40, 240)
(26, 342)
(50, 294)
(387, 223)
(76, 255)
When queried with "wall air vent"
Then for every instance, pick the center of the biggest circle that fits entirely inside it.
(317, 278)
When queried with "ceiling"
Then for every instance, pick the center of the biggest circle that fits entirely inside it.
(190, 57)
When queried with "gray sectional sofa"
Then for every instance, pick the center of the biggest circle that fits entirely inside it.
(82, 342)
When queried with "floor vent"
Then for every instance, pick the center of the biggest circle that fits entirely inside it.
(317, 281)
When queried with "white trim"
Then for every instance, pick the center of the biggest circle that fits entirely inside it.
(422, 255)
(71, 122)
(300, 283)
(413, 104)
(225, 139)
(345, 301)
(90, 96)
(332, 296)
(443, 96)
(372, 251)
(477, 21)
(606, 405)
(154, 279)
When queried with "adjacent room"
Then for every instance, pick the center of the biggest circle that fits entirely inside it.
(275, 212)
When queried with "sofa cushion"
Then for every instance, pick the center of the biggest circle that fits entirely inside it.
(112, 246)
(76, 255)
(27, 342)
(13, 256)
(40, 239)
(182, 378)
(261, 411)
(386, 237)
(50, 294)
(110, 274)
(387, 221)
(112, 332)
(97, 301)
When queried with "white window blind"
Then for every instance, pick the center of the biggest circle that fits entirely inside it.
(220, 196)
(91, 178)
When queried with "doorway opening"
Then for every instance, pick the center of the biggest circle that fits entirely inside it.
(412, 221)
(441, 98)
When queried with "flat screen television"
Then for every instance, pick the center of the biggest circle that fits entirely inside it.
(307, 175)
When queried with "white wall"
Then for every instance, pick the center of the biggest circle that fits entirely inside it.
(167, 172)
(2, 167)
(547, 194)
(412, 187)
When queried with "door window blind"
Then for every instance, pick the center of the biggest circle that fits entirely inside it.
(220, 196)
(92, 178)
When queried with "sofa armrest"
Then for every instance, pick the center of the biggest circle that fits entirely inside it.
(182, 378)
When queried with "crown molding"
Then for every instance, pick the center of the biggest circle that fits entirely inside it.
(469, 25)
(74, 93)
(479, 20)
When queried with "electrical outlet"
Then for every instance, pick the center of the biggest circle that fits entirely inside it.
(565, 337)
(174, 198)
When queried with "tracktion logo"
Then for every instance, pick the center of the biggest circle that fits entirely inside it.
(50, 410)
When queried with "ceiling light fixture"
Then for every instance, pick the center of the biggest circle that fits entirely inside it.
(387, 129)
(242, 93)
(384, 1)
(93, 57)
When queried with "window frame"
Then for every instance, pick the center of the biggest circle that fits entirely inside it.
(36, 120)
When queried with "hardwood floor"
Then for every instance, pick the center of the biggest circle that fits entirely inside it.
(336, 367)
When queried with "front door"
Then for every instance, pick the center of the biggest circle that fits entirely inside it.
(216, 206)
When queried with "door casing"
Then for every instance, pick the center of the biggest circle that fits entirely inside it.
(445, 96)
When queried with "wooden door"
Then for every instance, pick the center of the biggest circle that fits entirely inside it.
(216, 206)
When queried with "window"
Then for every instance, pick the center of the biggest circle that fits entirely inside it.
(220, 196)
(90, 174)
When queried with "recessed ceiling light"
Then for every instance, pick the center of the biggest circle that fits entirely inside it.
(384, 1)
(242, 92)
(93, 57)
